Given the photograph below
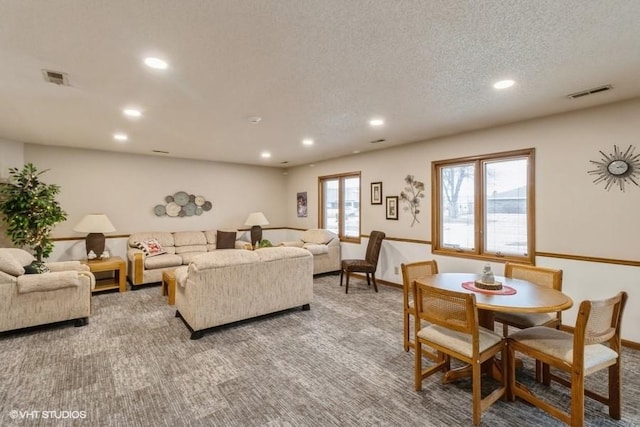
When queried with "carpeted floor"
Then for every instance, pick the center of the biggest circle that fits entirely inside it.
(340, 364)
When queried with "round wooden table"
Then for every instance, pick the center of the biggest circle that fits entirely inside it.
(529, 298)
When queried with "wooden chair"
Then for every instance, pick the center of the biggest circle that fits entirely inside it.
(541, 276)
(411, 272)
(368, 265)
(453, 331)
(579, 354)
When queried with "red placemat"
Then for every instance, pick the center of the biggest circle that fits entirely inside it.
(506, 290)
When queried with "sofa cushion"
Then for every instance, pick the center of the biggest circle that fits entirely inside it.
(163, 237)
(188, 238)
(191, 248)
(10, 265)
(162, 261)
(317, 236)
(316, 249)
(280, 252)
(226, 239)
(151, 247)
(210, 235)
(23, 257)
(188, 257)
(222, 258)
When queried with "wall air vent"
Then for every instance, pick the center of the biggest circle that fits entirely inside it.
(589, 91)
(377, 141)
(160, 151)
(55, 77)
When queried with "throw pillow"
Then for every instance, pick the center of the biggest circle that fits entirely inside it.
(10, 265)
(151, 247)
(226, 240)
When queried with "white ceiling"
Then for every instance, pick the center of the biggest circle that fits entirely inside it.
(310, 68)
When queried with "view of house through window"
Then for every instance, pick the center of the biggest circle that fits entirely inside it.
(340, 202)
(483, 205)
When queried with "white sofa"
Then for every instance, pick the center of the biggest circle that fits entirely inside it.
(324, 245)
(226, 286)
(36, 299)
(181, 248)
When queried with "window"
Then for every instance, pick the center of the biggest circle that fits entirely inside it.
(340, 205)
(483, 206)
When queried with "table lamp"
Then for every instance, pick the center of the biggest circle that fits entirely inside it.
(255, 220)
(95, 225)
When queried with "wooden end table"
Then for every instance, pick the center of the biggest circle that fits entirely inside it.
(169, 285)
(115, 264)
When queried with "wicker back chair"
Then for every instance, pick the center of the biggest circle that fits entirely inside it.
(411, 272)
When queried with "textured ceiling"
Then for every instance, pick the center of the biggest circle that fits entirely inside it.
(310, 68)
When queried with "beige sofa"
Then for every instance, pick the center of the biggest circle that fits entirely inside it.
(181, 248)
(323, 245)
(36, 299)
(226, 286)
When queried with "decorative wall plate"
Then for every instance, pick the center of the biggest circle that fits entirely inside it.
(189, 209)
(199, 201)
(206, 206)
(181, 198)
(160, 210)
(173, 209)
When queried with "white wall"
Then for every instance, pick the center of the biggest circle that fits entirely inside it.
(573, 216)
(11, 156)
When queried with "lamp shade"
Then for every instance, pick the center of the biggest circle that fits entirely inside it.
(256, 218)
(95, 223)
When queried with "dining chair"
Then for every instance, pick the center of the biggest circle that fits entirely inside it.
(368, 265)
(541, 276)
(453, 331)
(579, 354)
(411, 272)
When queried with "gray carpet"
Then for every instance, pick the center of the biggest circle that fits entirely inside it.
(340, 364)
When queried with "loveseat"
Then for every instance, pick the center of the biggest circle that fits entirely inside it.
(151, 253)
(27, 300)
(324, 245)
(226, 286)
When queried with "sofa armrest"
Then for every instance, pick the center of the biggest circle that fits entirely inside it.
(135, 269)
(296, 243)
(47, 281)
(334, 242)
(67, 266)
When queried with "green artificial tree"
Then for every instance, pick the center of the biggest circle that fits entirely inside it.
(30, 210)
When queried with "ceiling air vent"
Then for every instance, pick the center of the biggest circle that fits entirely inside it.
(55, 77)
(590, 91)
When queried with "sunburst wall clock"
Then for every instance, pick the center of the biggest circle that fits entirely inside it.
(617, 168)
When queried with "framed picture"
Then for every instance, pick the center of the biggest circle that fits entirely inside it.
(376, 193)
(302, 205)
(392, 207)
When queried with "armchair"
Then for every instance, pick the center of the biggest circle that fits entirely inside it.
(27, 300)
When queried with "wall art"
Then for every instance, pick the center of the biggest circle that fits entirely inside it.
(182, 204)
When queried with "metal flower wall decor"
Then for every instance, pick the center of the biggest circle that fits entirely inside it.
(413, 192)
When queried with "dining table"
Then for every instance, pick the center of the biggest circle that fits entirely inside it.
(516, 295)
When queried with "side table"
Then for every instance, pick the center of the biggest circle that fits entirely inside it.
(169, 285)
(115, 264)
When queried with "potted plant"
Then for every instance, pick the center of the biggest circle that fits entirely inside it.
(30, 210)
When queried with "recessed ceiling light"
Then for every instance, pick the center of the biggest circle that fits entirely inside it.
(356, 151)
(307, 141)
(376, 122)
(312, 165)
(120, 136)
(265, 155)
(503, 84)
(255, 119)
(156, 63)
(132, 112)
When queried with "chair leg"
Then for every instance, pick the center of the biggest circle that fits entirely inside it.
(346, 289)
(615, 410)
(577, 399)
(407, 330)
(373, 277)
(368, 280)
(341, 271)
(417, 364)
(477, 397)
